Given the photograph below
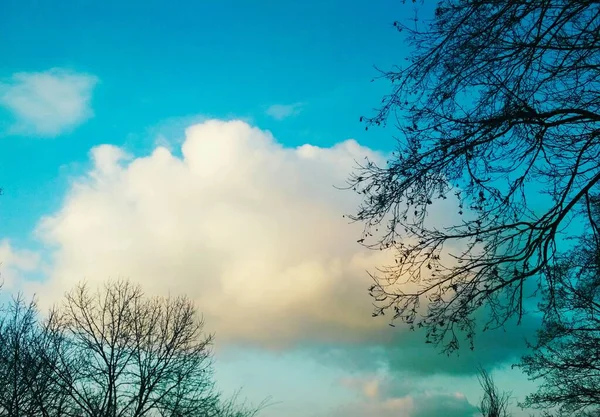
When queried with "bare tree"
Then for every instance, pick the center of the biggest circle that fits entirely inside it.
(494, 403)
(232, 407)
(26, 388)
(497, 106)
(565, 359)
(17, 330)
(123, 354)
(109, 353)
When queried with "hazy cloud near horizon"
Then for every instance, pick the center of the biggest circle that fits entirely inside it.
(393, 397)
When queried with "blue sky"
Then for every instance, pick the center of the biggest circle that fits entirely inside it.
(157, 62)
(101, 178)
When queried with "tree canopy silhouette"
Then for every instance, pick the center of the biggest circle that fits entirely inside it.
(124, 354)
(27, 387)
(566, 357)
(113, 352)
(498, 107)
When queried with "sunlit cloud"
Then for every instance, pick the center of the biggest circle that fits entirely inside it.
(250, 229)
(253, 232)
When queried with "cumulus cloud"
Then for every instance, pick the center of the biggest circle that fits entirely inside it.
(253, 231)
(283, 111)
(47, 103)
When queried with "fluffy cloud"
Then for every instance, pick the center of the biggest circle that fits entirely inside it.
(282, 111)
(253, 231)
(47, 103)
(15, 263)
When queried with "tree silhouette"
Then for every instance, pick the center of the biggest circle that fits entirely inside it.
(566, 356)
(494, 403)
(497, 107)
(123, 354)
(27, 389)
(113, 352)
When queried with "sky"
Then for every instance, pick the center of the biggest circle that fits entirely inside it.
(195, 147)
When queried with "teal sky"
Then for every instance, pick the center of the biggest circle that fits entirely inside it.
(101, 178)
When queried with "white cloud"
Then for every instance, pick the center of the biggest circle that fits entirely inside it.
(14, 263)
(282, 111)
(250, 229)
(253, 232)
(47, 103)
